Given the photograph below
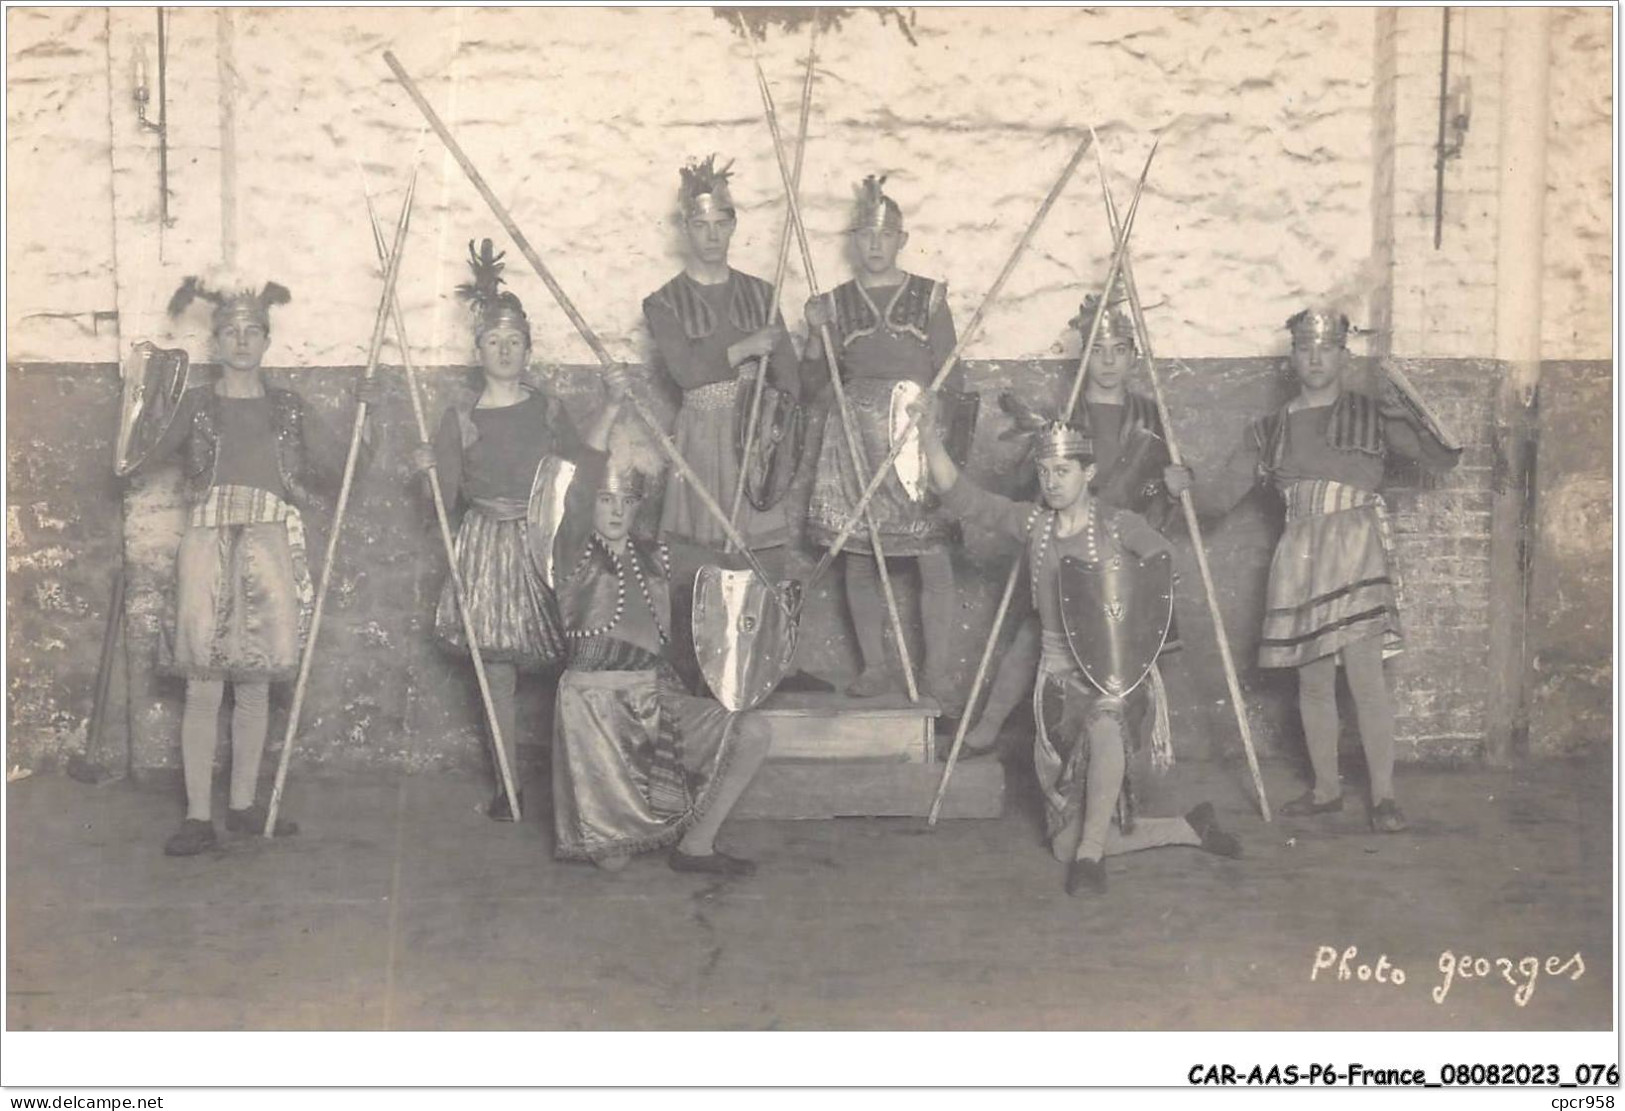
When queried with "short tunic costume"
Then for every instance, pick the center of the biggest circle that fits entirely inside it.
(1332, 581)
(242, 590)
(1064, 701)
(885, 335)
(693, 326)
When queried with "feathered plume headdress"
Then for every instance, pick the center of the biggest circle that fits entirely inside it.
(875, 209)
(634, 464)
(1047, 436)
(492, 305)
(705, 187)
(1115, 324)
(232, 298)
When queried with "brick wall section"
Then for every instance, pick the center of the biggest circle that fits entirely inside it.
(1571, 604)
(384, 695)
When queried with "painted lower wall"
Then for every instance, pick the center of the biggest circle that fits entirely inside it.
(385, 696)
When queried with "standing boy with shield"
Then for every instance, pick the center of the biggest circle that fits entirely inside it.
(894, 330)
(1132, 472)
(710, 324)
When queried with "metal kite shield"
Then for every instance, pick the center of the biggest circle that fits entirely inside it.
(1116, 617)
(956, 417)
(155, 378)
(545, 512)
(744, 636)
(781, 433)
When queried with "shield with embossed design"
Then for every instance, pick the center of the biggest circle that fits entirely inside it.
(154, 380)
(545, 512)
(1116, 616)
(744, 636)
(956, 417)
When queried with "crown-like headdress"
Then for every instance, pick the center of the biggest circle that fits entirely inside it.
(705, 188)
(1050, 437)
(624, 480)
(233, 300)
(1319, 325)
(875, 209)
(492, 305)
(1114, 324)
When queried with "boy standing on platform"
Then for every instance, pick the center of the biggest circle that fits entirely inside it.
(891, 326)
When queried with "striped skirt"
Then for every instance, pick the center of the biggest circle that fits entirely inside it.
(907, 527)
(1331, 582)
(514, 613)
(705, 436)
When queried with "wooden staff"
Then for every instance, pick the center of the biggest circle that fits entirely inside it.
(854, 449)
(391, 273)
(413, 391)
(498, 210)
(1015, 568)
(953, 357)
(1188, 505)
(778, 283)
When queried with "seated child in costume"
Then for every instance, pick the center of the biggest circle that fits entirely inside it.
(639, 763)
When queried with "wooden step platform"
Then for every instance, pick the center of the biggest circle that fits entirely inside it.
(840, 757)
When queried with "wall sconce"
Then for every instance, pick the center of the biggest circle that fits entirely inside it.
(142, 94)
(1458, 115)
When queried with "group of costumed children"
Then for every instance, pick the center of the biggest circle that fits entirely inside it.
(640, 760)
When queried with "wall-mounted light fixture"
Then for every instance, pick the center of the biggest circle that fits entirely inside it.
(1458, 116)
(142, 95)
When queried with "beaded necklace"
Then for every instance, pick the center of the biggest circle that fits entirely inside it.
(620, 587)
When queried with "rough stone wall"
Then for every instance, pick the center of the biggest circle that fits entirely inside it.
(580, 118)
(1577, 315)
(60, 270)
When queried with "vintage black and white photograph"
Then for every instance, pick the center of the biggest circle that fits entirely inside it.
(810, 519)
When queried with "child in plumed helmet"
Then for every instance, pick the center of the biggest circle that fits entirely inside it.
(639, 762)
(250, 455)
(489, 445)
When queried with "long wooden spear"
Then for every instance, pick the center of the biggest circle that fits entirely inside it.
(952, 360)
(498, 210)
(414, 392)
(391, 273)
(778, 288)
(854, 449)
(1186, 503)
(1015, 568)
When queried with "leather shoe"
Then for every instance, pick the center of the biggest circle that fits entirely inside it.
(195, 836)
(713, 863)
(1387, 817)
(1305, 806)
(1214, 840)
(1086, 877)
